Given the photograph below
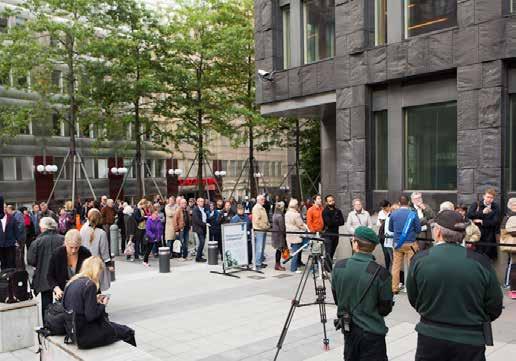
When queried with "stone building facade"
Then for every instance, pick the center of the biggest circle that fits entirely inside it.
(433, 78)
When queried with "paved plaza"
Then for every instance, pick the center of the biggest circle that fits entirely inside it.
(192, 314)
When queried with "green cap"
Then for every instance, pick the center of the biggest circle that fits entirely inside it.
(366, 234)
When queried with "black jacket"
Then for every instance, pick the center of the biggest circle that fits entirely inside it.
(333, 219)
(489, 228)
(39, 256)
(198, 226)
(58, 268)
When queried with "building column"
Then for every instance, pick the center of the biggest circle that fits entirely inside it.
(328, 154)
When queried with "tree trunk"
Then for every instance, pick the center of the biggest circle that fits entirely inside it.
(298, 169)
(138, 153)
(252, 168)
(200, 145)
(72, 113)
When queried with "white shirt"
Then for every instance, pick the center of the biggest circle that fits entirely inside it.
(4, 222)
(420, 215)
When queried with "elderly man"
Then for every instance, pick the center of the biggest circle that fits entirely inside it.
(260, 225)
(39, 255)
(46, 212)
(9, 236)
(358, 217)
(487, 215)
(199, 221)
(456, 292)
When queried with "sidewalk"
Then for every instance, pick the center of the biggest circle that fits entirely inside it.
(191, 314)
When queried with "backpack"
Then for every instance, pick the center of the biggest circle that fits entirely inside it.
(55, 317)
(14, 286)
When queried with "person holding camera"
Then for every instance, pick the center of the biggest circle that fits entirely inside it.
(456, 292)
(486, 214)
(363, 295)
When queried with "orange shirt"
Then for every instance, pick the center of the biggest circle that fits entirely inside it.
(314, 218)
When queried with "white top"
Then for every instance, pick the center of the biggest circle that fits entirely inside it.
(4, 222)
(389, 242)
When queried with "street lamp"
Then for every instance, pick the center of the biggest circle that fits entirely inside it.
(118, 171)
(220, 173)
(176, 172)
(284, 188)
(46, 169)
(258, 175)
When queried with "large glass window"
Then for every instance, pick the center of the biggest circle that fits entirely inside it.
(380, 22)
(431, 147)
(422, 16)
(511, 145)
(24, 168)
(318, 29)
(285, 14)
(102, 168)
(8, 169)
(381, 144)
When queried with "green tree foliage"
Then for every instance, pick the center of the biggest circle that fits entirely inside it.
(125, 81)
(194, 75)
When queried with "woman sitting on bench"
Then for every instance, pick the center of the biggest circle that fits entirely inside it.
(92, 326)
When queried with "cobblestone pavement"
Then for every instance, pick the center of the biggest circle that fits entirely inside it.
(192, 314)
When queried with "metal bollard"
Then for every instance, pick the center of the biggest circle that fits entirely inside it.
(115, 240)
(112, 273)
(213, 253)
(164, 260)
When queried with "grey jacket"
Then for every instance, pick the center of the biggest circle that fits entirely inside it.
(278, 231)
(39, 255)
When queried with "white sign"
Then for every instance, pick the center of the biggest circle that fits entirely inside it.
(234, 245)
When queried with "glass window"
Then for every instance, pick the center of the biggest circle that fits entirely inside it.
(431, 147)
(58, 161)
(381, 158)
(25, 168)
(160, 171)
(511, 144)
(285, 14)
(9, 168)
(149, 168)
(319, 29)
(4, 24)
(57, 80)
(380, 22)
(423, 16)
(129, 164)
(102, 168)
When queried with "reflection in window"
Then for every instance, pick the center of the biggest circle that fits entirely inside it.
(381, 144)
(380, 22)
(285, 13)
(511, 145)
(319, 29)
(8, 171)
(423, 16)
(102, 168)
(24, 168)
(431, 147)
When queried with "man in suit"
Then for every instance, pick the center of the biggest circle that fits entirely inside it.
(199, 220)
(9, 236)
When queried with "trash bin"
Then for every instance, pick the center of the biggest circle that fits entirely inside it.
(115, 240)
(164, 260)
(112, 273)
(213, 253)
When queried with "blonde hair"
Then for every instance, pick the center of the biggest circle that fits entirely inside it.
(293, 204)
(68, 206)
(73, 237)
(91, 268)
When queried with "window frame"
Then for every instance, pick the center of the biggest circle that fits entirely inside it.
(376, 23)
(374, 138)
(304, 42)
(406, 17)
(286, 34)
(405, 147)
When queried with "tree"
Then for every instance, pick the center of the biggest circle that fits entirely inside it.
(53, 37)
(125, 76)
(194, 74)
(250, 127)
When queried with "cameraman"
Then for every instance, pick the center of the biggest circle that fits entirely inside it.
(363, 295)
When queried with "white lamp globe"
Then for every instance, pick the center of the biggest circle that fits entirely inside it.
(178, 171)
(121, 170)
(217, 173)
(40, 168)
(170, 172)
(222, 173)
(54, 168)
(48, 168)
(114, 170)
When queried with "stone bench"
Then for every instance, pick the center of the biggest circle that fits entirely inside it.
(17, 323)
(55, 349)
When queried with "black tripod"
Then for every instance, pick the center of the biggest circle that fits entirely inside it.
(315, 265)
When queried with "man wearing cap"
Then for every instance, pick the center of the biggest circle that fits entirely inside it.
(456, 293)
(362, 289)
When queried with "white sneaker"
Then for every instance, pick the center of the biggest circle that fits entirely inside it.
(298, 271)
(145, 264)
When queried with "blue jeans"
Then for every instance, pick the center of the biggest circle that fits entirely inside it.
(294, 262)
(184, 236)
(200, 247)
(259, 247)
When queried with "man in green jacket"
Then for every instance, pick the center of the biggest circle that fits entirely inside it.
(456, 293)
(362, 288)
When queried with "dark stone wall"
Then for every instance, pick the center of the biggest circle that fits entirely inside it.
(476, 50)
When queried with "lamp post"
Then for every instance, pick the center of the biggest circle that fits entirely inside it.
(219, 174)
(175, 172)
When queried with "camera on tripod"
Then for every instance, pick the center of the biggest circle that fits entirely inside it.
(316, 247)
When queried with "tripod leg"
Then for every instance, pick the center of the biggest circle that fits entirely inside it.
(320, 292)
(295, 303)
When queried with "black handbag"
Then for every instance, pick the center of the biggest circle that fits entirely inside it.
(55, 317)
